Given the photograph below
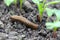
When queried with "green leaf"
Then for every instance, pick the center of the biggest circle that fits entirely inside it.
(8, 2)
(50, 12)
(21, 2)
(36, 1)
(57, 12)
(55, 28)
(15, 1)
(57, 24)
(50, 25)
(41, 9)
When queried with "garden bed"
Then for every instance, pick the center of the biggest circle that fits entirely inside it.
(18, 31)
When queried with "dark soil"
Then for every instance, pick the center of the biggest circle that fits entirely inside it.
(18, 31)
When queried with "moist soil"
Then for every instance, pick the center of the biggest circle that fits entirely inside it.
(18, 31)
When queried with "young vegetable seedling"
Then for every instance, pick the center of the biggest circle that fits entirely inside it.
(42, 6)
(9, 2)
(15, 2)
(56, 24)
(21, 2)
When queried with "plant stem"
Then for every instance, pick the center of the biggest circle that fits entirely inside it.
(54, 33)
(38, 18)
(21, 1)
(15, 1)
(44, 2)
(41, 9)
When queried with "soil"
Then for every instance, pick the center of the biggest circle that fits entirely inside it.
(17, 31)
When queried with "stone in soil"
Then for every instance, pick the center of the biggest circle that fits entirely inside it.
(1, 24)
(3, 35)
(43, 33)
(13, 33)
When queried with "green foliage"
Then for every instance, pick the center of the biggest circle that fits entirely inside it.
(50, 12)
(56, 24)
(21, 2)
(15, 1)
(42, 6)
(53, 2)
(41, 9)
(57, 12)
(37, 2)
(52, 25)
(8, 2)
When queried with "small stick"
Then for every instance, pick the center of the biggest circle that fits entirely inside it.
(38, 18)
(25, 21)
(54, 34)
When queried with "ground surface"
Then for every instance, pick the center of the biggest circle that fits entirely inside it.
(18, 31)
